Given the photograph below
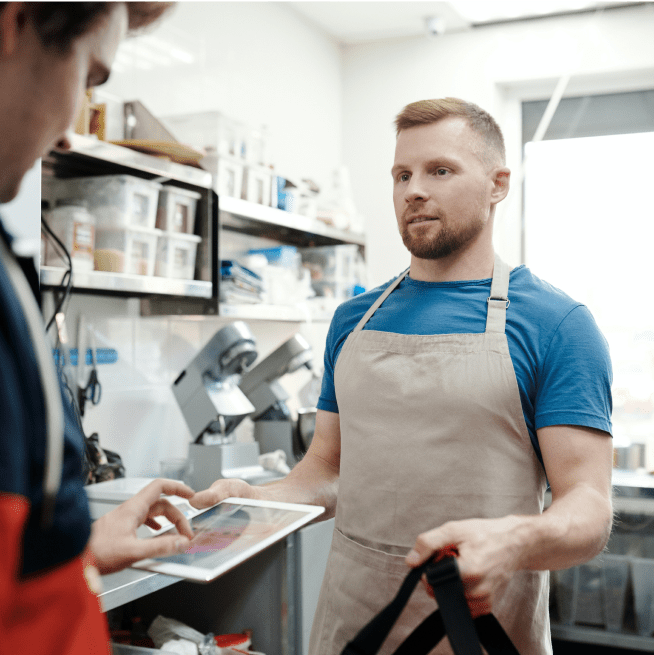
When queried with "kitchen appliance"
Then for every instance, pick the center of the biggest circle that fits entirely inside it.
(273, 424)
(304, 429)
(212, 404)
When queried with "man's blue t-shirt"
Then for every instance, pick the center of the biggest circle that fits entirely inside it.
(560, 357)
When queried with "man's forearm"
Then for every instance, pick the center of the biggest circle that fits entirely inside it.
(574, 529)
(313, 481)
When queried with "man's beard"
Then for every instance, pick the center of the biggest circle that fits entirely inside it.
(444, 243)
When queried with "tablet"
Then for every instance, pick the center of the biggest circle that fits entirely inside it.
(229, 533)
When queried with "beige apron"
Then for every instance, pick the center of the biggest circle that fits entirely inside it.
(432, 430)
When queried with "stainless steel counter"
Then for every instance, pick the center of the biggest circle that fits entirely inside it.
(130, 584)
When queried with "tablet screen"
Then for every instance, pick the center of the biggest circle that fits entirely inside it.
(228, 529)
(229, 533)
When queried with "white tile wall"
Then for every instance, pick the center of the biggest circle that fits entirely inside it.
(138, 416)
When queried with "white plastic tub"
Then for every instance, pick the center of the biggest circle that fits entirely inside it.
(176, 255)
(126, 250)
(176, 210)
(259, 185)
(114, 200)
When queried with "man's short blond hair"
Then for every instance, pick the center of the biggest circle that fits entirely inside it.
(426, 112)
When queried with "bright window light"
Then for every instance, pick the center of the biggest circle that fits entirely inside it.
(589, 230)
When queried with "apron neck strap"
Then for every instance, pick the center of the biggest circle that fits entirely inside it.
(498, 301)
(391, 287)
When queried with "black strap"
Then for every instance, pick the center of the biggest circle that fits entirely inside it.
(452, 619)
(446, 582)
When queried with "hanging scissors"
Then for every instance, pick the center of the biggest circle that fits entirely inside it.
(92, 392)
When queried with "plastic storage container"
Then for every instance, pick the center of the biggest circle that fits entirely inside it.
(228, 174)
(565, 585)
(334, 270)
(258, 185)
(114, 200)
(126, 250)
(176, 255)
(643, 579)
(176, 210)
(589, 608)
(74, 225)
(211, 129)
(615, 576)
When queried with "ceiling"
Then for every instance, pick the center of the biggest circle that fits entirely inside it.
(355, 22)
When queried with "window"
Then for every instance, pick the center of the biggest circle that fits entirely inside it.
(589, 230)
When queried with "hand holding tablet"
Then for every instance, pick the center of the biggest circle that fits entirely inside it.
(229, 533)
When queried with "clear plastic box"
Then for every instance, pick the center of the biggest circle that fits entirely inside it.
(615, 576)
(258, 187)
(228, 175)
(589, 608)
(210, 129)
(176, 255)
(126, 250)
(176, 210)
(335, 270)
(565, 585)
(114, 200)
(643, 580)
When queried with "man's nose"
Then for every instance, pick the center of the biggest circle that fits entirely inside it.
(416, 189)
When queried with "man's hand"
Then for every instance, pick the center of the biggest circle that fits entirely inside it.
(113, 536)
(488, 556)
(224, 488)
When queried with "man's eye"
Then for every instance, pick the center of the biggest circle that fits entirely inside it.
(441, 171)
(404, 177)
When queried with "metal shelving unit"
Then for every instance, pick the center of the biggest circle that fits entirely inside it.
(89, 156)
(251, 218)
(633, 493)
(103, 282)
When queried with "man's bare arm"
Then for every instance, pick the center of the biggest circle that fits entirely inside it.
(313, 481)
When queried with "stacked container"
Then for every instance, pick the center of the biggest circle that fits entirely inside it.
(236, 153)
(74, 225)
(177, 248)
(125, 210)
(336, 271)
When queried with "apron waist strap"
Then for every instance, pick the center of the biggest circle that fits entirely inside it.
(453, 618)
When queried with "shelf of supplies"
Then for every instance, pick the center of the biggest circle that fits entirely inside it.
(598, 637)
(263, 312)
(101, 281)
(90, 153)
(237, 213)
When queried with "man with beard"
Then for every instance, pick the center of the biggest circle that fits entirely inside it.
(451, 395)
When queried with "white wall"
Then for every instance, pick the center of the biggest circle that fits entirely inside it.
(494, 67)
(259, 62)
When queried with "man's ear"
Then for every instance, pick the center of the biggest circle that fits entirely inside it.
(12, 23)
(501, 183)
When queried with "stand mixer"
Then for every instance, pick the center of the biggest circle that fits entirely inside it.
(216, 391)
(273, 425)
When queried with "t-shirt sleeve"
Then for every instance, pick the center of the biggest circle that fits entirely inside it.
(574, 383)
(327, 400)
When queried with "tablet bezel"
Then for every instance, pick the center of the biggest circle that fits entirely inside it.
(207, 575)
